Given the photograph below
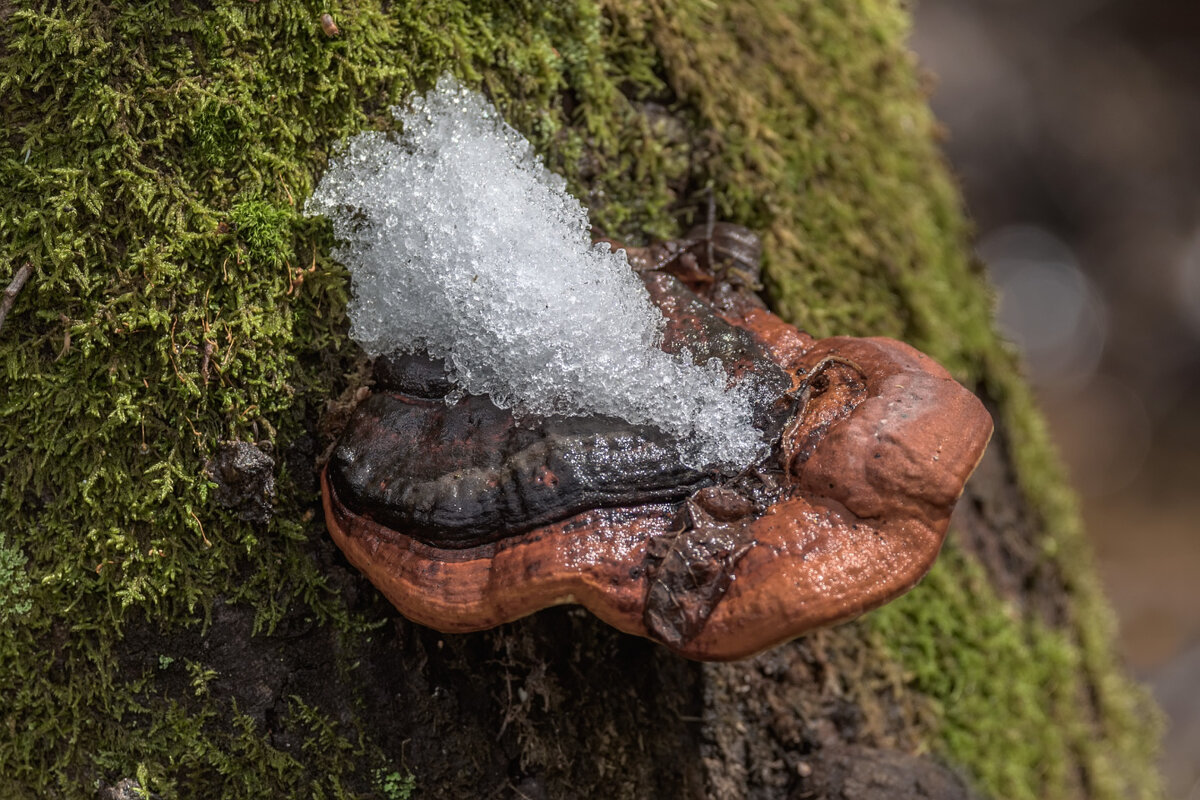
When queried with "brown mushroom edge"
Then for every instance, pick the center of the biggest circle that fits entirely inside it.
(874, 479)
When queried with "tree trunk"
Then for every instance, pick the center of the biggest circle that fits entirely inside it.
(166, 632)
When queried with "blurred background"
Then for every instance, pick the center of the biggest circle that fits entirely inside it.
(1074, 129)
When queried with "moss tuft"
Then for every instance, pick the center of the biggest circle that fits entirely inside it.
(394, 785)
(266, 230)
(14, 582)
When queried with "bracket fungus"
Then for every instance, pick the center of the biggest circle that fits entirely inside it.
(468, 509)
(466, 517)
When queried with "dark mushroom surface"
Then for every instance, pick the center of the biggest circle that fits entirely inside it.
(468, 473)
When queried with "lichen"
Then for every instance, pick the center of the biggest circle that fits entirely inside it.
(153, 157)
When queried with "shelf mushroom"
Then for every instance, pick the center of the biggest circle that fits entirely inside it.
(466, 517)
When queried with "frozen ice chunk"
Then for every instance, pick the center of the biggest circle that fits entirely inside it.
(460, 242)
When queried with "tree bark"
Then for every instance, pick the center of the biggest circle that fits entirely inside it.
(160, 636)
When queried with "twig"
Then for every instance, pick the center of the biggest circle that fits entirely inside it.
(301, 272)
(14, 288)
(291, 200)
(209, 346)
(66, 348)
(710, 223)
(207, 543)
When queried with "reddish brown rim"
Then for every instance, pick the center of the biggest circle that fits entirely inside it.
(865, 522)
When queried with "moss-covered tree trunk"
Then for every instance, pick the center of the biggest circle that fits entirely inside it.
(153, 160)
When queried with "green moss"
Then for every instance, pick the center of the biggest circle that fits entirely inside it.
(395, 786)
(14, 582)
(955, 637)
(266, 229)
(1019, 701)
(153, 157)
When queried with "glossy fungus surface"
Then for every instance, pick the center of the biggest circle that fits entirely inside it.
(466, 516)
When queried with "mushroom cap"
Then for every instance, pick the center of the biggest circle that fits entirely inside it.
(873, 442)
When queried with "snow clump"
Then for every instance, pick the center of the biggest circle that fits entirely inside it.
(460, 242)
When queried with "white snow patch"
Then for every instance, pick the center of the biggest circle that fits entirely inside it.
(460, 242)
